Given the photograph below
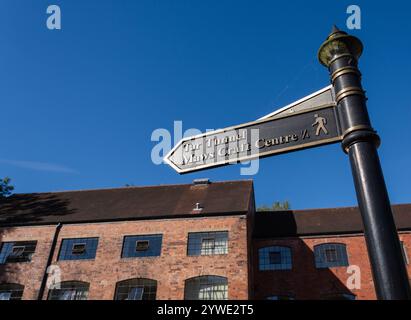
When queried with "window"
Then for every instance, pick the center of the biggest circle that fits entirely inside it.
(338, 296)
(142, 246)
(11, 291)
(5, 295)
(275, 258)
(70, 290)
(136, 289)
(281, 297)
(330, 255)
(19, 251)
(207, 246)
(207, 243)
(404, 252)
(206, 288)
(78, 249)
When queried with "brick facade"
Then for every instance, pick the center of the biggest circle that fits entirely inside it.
(28, 274)
(227, 206)
(170, 269)
(305, 281)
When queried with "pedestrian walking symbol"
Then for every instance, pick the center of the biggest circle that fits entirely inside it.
(320, 122)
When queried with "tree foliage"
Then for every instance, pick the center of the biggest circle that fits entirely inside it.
(5, 187)
(276, 206)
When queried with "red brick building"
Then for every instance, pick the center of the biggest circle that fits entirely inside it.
(328, 253)
(195, 241)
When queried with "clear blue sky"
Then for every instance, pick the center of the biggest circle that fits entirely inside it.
(78, 105)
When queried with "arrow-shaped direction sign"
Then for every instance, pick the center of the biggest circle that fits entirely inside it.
(273, 134)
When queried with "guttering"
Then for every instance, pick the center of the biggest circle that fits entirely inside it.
(49, 261)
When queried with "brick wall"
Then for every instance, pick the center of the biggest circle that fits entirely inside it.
(304, 281)
(170, 269)
(29, 274)
(173, 267)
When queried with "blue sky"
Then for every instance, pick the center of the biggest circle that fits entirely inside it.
(79, 105)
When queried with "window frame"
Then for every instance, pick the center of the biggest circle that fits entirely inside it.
(264, 263)
(199, 283)
(280, 297)
(196, 239)
(13, 249)
(129, 251)
(207, 242)
(145, 248)
(274, 256)
(148, 293)
(15, 290)
(320, 257)
(338, 296)
(75, 286)
(68, 254)
(74, 250)
(26, 256)
(134, 290)
(331, 255)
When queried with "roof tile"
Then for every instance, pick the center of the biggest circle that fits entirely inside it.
(227, 197)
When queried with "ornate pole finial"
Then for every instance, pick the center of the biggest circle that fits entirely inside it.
(337, 43)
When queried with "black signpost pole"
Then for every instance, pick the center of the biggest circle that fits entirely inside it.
(340, 54)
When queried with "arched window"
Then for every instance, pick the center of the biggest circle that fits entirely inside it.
(136, 289)
(69, 290)
(338, 296)
(280, 297)
(11, 291)
(274, 258)
(206, 288)
(329, 255)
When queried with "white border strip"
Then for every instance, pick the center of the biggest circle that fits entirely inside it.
(296, 102)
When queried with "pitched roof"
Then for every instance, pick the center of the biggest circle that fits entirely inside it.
(164, 201)
(320, 221)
